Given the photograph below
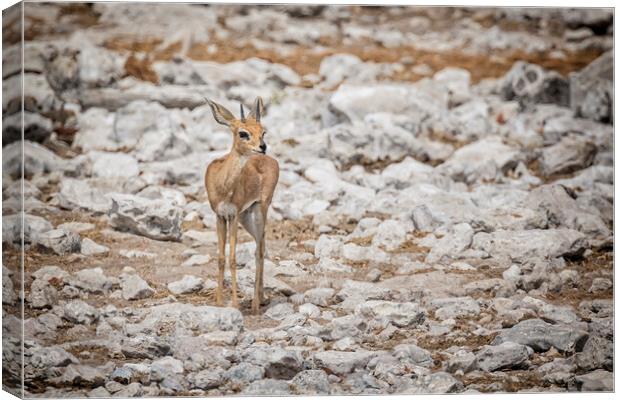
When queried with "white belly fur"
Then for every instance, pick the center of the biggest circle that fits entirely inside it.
(248, 204)
(226, 209)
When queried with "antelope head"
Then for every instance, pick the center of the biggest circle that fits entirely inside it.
(248, 133)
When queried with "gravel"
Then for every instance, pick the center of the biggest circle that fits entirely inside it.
(435, 229)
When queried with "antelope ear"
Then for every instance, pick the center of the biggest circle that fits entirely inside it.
(257, 109)
(220, 113)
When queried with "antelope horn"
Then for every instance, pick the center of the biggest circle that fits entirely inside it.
(257, 112)
(242, 113)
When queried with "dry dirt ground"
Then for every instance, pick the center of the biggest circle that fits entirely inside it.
(284, 238)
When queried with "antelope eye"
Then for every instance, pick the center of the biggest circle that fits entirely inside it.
(244, 135)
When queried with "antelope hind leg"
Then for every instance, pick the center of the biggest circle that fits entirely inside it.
(260, 257)
(253, 222)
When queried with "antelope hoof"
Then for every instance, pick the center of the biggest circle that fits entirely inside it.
(255, 307)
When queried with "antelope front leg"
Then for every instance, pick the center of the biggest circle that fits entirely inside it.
(232, 258)
(221, 259)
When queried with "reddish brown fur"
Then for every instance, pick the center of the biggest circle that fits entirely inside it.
(257, 180)
(235, 183)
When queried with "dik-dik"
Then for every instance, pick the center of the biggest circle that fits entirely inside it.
(240, 187)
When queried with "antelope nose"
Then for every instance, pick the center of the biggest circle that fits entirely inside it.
(263, 147)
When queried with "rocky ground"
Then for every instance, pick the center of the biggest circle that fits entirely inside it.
(443, 220)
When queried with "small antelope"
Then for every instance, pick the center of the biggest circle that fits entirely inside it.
(240, 186)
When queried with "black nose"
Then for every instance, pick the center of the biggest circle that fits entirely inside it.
(263, 147)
